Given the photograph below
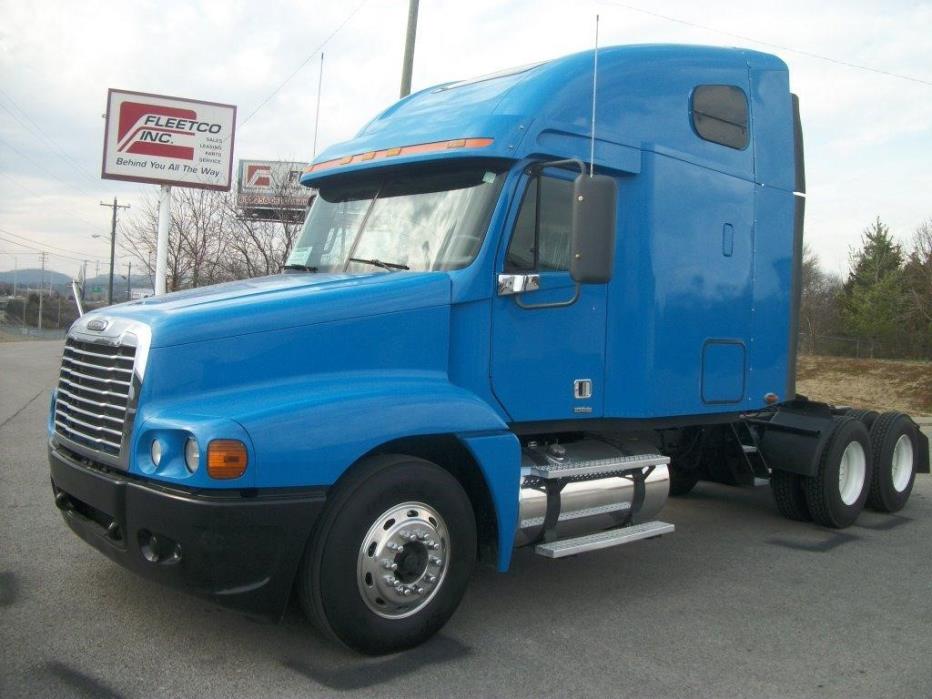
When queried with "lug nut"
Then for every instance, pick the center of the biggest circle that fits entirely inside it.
(436, 560)
(389, 565)
(419, 590)
(389, 580)
(392, 546)
(433, 545)
(407, 592)
(431, 578)
(399, 589)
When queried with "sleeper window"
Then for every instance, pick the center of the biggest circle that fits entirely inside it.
(720, 115)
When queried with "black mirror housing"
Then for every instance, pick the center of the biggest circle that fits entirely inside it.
(595, 200)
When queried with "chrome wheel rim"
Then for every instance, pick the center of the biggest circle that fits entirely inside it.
(851, 473)
(403, 560)
(902, 466)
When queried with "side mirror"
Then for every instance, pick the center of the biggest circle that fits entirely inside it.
(592, 258)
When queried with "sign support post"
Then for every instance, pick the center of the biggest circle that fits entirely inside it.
(161, 249)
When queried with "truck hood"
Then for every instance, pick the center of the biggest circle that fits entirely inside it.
(275, 303)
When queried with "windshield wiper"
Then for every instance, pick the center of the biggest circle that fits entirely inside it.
(379, 263)
(302, 268)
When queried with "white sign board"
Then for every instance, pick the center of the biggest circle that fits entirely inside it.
(168, 140)
(271, 188)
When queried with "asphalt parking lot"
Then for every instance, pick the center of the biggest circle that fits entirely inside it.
(738, 602)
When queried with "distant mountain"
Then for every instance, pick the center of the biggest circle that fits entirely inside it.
(35, 278)
(96, 286)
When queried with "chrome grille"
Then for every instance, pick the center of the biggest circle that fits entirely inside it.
(94, 390)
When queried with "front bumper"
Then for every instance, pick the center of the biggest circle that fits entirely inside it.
(240, 550)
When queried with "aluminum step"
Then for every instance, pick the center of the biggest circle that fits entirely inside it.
(598, 467)
(603, 540)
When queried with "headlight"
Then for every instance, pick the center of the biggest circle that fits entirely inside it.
(192, 454)
(156, 451)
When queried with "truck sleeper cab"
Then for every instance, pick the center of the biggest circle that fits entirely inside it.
(484, 338)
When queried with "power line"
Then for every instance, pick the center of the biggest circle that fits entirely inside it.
(22, 253)
(30, 190)
(30, 250)
(31, 244)
(744, 37)
(197, 177)
(307, 60)
(83, 192)
(36, 129)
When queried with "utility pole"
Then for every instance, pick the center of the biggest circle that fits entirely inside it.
(408, 65)
(129, 280)
(114, 206)
(15, 275)
(84, 281)
(41, 285)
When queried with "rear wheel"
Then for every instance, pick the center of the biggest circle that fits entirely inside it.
(390, 561)
(836, 494)
(866, 416)
(789, 495)
(894, 444)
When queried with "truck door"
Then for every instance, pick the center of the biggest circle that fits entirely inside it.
(547, 353)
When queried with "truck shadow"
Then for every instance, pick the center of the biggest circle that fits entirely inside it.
(78, 682)
(832, 541)
(9, 589)
(359, 673)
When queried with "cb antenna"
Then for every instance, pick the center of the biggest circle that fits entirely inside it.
(595, 75)
(320, 82)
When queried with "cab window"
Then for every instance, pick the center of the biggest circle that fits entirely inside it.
(541, 241)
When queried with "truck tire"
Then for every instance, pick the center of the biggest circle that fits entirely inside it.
(837, 493)
(682, 482)
(790, 496)
(894, 443)
(389, 562)
(865, 416)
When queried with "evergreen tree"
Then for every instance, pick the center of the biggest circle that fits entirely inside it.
(874, 297)
(878, 257)
(917, 274)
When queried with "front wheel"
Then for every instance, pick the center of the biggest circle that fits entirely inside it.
(390, 561)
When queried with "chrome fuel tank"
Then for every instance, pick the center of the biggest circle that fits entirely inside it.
(587, 505)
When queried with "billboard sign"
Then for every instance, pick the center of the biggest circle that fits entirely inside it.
(270, 190)
(168, 140)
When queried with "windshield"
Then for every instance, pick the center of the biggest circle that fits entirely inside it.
(418, 221)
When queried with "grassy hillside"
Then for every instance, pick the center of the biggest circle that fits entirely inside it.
(881, 384)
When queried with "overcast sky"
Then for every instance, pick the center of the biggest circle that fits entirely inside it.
(868, 135)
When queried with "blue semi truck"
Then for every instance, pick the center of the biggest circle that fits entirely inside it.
(518, 314)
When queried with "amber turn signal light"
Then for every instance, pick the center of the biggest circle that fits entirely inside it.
(226, 459)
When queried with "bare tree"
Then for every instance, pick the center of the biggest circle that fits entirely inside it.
(210, 241)
(819, 311)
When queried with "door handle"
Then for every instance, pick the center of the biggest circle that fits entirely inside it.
(728, 240)
(509, 284)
